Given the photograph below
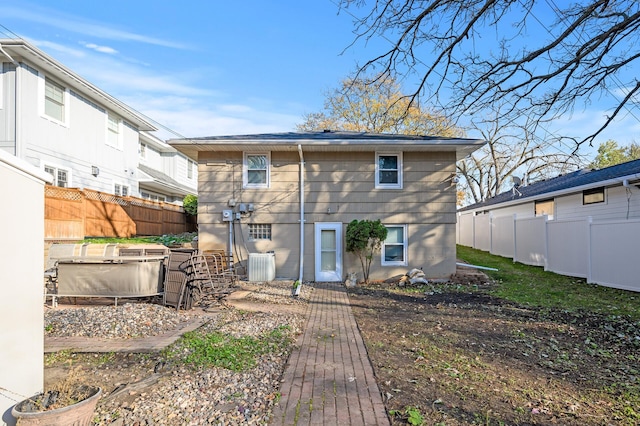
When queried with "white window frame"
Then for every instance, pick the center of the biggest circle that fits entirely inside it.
(405, 245)
(119, 189)
(245, 171)
(397, 185)
(152, 196)
(142, 151)
(112, 118)
(56, 169)
(42, 94)
(191, 166)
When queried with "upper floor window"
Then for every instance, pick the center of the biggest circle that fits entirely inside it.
(255, 170)
(389, 170)
(54, 100)
(60, 176)
(114, 134)
(190, 166)
(394, 247)
(593, 196)
(143, 150)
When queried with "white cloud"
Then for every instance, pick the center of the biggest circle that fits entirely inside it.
(184, 99)
(189, 118)
(101, 49)
(71, 23)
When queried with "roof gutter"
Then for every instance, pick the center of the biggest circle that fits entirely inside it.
(300, 274)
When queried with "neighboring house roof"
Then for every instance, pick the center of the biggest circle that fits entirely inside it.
(18, 50)
(326, 141)
(155, 142)
(563, 184)
(161, 182)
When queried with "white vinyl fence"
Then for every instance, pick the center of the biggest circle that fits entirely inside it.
(603, 252)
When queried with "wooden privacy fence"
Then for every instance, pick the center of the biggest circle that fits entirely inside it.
(73, 214)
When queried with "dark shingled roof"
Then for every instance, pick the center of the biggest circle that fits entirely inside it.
(325, 135)
(326, 141)
(575, 179)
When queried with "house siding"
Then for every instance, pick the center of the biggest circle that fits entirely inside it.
(615, 206)
(80, 140)
(342, 184)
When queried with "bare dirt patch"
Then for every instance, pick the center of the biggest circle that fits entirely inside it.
(452, 354)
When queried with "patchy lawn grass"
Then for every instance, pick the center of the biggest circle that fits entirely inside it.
(533, 286)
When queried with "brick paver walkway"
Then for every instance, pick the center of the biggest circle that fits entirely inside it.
(329, 379)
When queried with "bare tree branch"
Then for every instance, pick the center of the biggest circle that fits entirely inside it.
(585, 54)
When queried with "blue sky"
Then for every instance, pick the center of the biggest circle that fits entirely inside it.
(200, 68)
(205, 68)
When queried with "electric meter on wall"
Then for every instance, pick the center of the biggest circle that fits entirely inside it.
(227, 215)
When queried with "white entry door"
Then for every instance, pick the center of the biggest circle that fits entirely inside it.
(328, 251)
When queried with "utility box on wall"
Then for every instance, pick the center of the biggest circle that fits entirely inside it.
(262, 267)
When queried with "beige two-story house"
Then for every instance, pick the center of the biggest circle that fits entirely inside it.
(295, 193)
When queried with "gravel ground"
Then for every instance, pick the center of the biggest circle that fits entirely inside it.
(142, 390)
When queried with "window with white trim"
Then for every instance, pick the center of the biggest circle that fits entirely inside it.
(55, 99)
(142, 151)
(60, 176)
(259, 231)
(255, 170)
(389, 170)
(114, 131)
(122, 190)
(151, 196)
(394, 247)
(191, 165)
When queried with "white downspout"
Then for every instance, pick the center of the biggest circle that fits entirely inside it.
(299, 286)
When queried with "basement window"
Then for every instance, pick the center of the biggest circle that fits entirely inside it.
(259, 231)
(394, 247)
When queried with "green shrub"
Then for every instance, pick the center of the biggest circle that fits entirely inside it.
(190, 204)
(364, 238)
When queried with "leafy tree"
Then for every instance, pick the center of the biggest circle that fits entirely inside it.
(364, 238)
(376, 105)
(610, 154)
(480, 53)
(190, 204)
